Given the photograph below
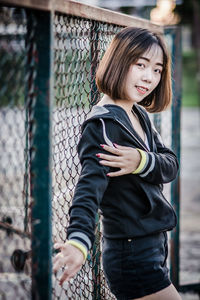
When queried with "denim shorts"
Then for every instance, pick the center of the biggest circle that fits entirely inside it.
(136, 267)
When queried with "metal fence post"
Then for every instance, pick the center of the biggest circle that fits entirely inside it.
(175, 33)
(157, 122)
(94, 96)
(94, 58)
(40, 165)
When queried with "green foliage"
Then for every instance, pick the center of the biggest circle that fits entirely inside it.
(190, 86)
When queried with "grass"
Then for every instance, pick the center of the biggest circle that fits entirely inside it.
(189, 80)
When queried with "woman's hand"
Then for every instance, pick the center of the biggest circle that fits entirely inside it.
(69, 257)
(127, 159)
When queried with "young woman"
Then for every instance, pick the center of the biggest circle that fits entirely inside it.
(124, 165)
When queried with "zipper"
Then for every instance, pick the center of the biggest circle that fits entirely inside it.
(132, 135)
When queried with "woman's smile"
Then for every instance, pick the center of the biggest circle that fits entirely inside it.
(142, 90)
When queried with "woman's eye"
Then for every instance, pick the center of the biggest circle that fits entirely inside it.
(140, 65)
(158, 71)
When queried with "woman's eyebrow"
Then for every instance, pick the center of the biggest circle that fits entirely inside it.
(147, 59)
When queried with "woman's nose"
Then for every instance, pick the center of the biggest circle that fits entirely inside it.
(147, 76)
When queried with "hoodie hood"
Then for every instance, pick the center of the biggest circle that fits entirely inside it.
(119, 115)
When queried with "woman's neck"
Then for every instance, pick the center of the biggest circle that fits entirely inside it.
(125, 104)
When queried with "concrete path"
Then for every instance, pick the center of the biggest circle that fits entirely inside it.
(190, 199)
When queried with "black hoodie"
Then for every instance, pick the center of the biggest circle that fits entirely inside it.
(132, 205)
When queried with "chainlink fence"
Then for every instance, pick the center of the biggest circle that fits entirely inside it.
(15, 125)
(78, 45)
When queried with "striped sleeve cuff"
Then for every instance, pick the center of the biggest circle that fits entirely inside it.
(81, 238)
(149, 166)
(79, 246)
(143, 162)
(146, 165)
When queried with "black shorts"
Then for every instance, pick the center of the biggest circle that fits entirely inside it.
(136, 267)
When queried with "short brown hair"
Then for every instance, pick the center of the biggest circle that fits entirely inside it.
(125, 49)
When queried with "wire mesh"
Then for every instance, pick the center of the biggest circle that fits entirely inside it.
(15, 72)
(79, 45)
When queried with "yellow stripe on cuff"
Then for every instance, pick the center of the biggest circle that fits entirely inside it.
(142, 162)
(79, 246)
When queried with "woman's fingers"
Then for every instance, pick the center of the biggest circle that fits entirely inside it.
(57, 257)
(112, 150)
(108, 157)
(64, 277)
(58, 245)
(60, 261)
(69, 273)
(118, 153)
(115, 148)
(113, 164)
(119, 147)
(117, 173)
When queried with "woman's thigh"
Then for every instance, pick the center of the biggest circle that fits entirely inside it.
(169, 293)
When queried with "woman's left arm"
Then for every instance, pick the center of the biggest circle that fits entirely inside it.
(156, 168)
(161, 166)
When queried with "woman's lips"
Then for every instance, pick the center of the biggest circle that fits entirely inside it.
(141, 89)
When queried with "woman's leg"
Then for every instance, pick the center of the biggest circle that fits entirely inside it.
(169, 293)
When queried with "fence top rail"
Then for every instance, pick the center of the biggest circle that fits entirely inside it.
(86, 11)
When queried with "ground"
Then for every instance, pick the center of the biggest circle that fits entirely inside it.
(190, 199)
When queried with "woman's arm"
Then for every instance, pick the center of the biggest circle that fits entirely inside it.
(88, 194)
(156, 168)
(161, 167)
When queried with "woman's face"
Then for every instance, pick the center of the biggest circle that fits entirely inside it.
(144, 75)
